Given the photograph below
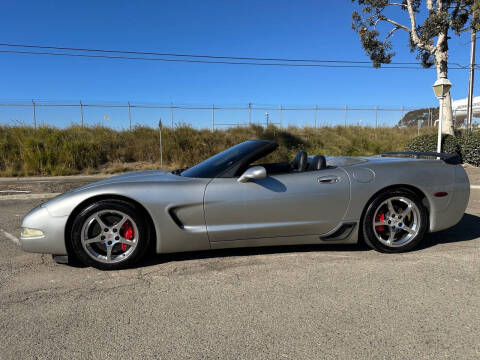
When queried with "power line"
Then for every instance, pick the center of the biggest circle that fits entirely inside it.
(195, 55)
(386, 66)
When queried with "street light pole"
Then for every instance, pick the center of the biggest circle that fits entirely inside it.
(441, 88)
(440, 117)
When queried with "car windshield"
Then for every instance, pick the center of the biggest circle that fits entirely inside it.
(217, 164)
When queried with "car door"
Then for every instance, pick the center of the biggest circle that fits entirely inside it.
(306, 203)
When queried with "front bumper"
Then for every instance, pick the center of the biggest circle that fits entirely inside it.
(53, 227)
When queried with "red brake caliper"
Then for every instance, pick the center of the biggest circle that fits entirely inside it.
(380, 217)
(127, 229)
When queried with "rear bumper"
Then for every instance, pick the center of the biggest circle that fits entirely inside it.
(53, 228)
(447, 215)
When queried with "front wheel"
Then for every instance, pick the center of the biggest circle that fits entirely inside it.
(395, 221)
(109, 235)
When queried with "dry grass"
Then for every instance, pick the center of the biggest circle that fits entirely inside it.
(50, 151)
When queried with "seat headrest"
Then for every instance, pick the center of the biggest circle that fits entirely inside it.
(318, 162)
(300, 161)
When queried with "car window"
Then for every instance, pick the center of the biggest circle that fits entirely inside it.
(220, 162)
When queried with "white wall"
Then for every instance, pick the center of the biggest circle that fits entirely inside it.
(459, 108)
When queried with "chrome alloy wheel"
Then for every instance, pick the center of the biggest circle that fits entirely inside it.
(396, 221)
(109, 236)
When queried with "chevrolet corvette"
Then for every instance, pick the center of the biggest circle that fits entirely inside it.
(233, 199)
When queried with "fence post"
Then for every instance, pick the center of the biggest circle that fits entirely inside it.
(213, 117)
(346, 109)
(160, 126)
(376, 117)
(281, 115)
(249, 113)
(81, 114)
(130, 115)
(171, 113)
(316, 110)
(34, 115)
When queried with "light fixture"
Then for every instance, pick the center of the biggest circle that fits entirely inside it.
(441, 87)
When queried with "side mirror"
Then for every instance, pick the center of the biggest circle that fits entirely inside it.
(255, 172)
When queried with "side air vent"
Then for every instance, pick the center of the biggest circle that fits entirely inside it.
(341, 233)
(175, 218)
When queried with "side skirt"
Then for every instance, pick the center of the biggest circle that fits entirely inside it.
(346, 237)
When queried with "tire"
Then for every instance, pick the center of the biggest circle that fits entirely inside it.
(110, 235)
(395, 221)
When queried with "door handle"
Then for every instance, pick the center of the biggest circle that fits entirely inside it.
(328, 179)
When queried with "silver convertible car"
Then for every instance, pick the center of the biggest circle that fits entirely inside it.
(234, 200)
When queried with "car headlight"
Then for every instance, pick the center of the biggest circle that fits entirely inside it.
(31, 233)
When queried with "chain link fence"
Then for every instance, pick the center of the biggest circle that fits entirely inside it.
(128, 115)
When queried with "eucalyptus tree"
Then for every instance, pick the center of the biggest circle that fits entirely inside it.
(427, 23)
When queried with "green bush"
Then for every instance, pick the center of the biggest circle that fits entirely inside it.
(466, 145)
(471, 148)
(450, 144)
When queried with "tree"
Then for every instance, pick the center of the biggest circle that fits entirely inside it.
(429, 40)
(412, 117)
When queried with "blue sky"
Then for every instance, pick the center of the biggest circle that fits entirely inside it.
(294, 29)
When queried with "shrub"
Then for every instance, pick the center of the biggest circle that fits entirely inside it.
(466, 145)
(471, 148)
(450, 144)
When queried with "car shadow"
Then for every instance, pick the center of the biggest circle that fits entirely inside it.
(271, 184)
(467, 229)
(249, 251)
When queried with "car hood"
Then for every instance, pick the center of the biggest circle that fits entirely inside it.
(136, 177)
(63, 204)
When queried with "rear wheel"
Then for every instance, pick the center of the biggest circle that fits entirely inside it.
(110, 234)
(395, 221)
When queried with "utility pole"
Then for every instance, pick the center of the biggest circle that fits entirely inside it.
(267, 115)
(34, 115)
(130, 116)
(171, 113)
(376, 117)
(470, 82)
(316, 111)
(81, 112)
(281, 115)
(249, 113)
(346, 109)
(213, 117)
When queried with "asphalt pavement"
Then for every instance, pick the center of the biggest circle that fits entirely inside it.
(302, 302)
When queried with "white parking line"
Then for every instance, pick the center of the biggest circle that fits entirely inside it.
(28, 196)
(475, 187)
(16, 191)
(11, 237)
